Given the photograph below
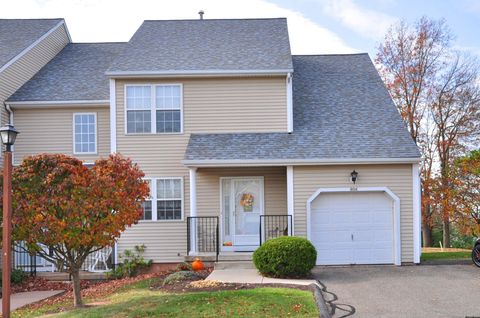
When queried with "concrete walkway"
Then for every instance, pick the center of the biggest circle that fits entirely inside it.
(251, 276)
(22, 299)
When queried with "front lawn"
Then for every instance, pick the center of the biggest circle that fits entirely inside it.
(259, 302)
(434, 256)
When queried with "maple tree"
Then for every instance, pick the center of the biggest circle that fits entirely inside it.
(74, 210)
(436, 90)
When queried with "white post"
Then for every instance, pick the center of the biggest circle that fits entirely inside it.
(113, 117)
(193, 209)
(417, 214)
(290, 197)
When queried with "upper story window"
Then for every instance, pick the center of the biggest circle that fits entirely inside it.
(85, 133)
(154, 108)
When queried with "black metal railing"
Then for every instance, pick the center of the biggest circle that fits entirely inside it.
(24, 260)
(272, 226)
(203, 235)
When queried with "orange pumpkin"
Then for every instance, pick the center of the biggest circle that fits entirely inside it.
(198, 265)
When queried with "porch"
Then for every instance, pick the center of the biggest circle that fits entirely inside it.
(255, 204)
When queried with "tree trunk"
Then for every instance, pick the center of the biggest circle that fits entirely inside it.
(427, 234)
(77, 296)
(446, 233)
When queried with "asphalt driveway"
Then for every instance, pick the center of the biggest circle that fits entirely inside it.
(406, 291)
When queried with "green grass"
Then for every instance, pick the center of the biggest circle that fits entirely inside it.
(260, 302)
(445, 256)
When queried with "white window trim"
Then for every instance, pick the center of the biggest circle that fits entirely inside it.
(153, 195)
(96, 134)
(153, 109)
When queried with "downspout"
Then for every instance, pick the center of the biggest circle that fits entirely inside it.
(10, 112)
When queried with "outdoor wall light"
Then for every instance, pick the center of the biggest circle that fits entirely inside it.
(354, 176)
(8, 135)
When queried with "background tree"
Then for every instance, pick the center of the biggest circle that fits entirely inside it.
(436, 92)
(74, 210)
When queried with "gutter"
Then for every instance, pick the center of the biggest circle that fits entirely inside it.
(196, 73)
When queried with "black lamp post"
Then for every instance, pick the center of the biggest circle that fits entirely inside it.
(354, 176)
(8, 134)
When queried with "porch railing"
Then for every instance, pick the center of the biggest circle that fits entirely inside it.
(203, 235)
(31, 263)
(272, 226)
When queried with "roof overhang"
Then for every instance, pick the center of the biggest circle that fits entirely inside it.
(197, 73)
(58, 104)
(297, 162)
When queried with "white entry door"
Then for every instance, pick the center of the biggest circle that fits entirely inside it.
(352, 228)
(242, 205)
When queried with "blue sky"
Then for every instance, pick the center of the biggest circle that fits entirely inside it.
(315, 26)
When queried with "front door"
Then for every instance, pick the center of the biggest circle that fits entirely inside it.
(242, 205)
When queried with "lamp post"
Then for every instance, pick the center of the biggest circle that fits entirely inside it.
(354, 176)
(8, 135)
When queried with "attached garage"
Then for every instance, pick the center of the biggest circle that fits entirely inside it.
(355, 227)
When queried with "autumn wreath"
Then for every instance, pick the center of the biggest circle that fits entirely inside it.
(247, 202)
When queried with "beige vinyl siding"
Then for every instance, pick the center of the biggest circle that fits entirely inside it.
(50, 130)
(398, 178)
(209, 105)
(208, 188)
(13, 77)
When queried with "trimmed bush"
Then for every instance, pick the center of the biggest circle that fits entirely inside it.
(180, 276)
(286, 256)
(17, 276)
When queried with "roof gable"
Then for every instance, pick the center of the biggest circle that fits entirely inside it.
(206, 46)
(18, 34)
(76, 73)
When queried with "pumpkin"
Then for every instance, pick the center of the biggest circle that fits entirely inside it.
(198, 265)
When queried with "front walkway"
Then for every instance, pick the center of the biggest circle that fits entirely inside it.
(22, 299)
(251, 276)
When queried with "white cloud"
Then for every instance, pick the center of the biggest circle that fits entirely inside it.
(117, 20)
(368, 23)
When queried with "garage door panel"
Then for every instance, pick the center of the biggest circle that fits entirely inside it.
(352, 228)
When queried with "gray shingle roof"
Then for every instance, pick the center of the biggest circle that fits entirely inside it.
(207, 45)
(341, 111)
(17, 34)
(76, 73)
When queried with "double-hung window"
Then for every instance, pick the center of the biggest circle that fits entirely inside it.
(165, 201)
(154, 108)
(85, 133)
(147, 204)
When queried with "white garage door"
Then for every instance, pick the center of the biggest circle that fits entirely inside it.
(352, 228)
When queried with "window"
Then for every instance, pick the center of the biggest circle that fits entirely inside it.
(147, 204)
(165, 201)
(85, 133)
(154, 108)
(169, 199)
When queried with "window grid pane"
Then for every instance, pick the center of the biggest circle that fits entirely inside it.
(85, 133)
(139, 121)
(169, 199)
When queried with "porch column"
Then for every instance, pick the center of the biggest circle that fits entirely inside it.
(290, 197)
(193, 209)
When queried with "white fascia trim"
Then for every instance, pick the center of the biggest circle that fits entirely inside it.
(417, 217)
(291, 197)
(396, 213)
(113, 117)
(31, 46)
(289, 103)
(196, 73)
(298, 162)
(60, 103)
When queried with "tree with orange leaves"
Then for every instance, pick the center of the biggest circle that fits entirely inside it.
(74, 210)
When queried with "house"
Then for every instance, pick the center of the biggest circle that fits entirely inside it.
(240, 140)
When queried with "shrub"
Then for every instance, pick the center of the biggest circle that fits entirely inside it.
(184, 266)
(17, 276)
(286, 256)
(132, 264)
(180, 276)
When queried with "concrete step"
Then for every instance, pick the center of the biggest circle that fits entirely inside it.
(234, 265)
(235, 256)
